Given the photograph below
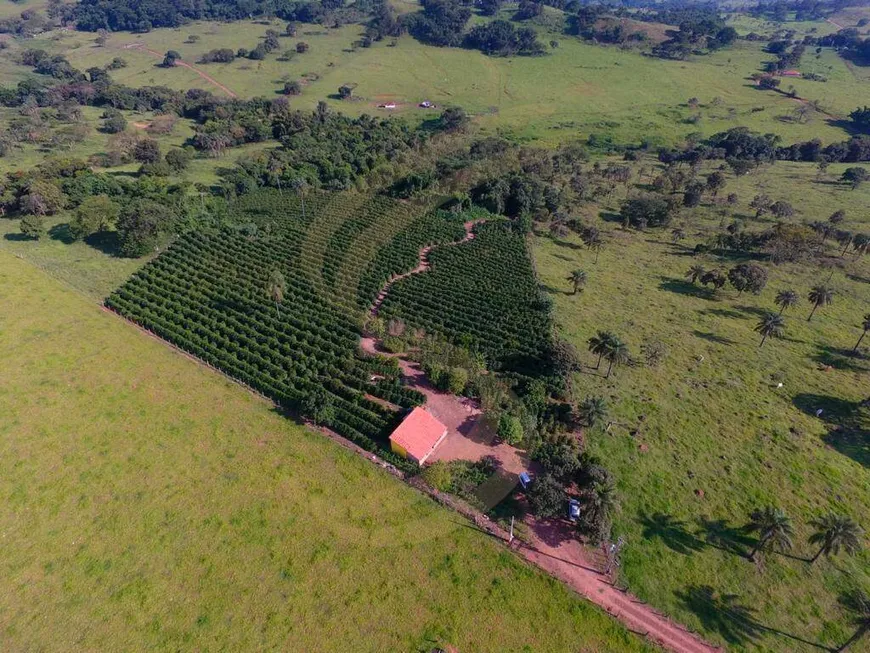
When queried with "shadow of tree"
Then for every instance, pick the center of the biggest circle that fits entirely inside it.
(736, 622)
(839, 358)
(671, 531)
(756, 311)
(105, 241)
(681, 287)
(17, 237)
(62, 233)
(723, 312)
(713, 337)
(722, 613)
(850, 433)
(720, 534)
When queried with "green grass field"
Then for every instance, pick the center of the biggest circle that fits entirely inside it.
(596, 89)
(151, 504)
(710, 419)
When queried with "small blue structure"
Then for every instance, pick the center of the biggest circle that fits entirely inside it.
(525, 480)
(573, 509)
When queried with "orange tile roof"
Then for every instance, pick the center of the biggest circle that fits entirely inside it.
(418, 433)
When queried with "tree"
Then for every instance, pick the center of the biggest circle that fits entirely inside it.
(345, 91)
(33, 226)
(773, 527)
(855, 176)
(42, 198)
(452, 119)
(866, 326)
(147, 150)
(141, 226)
(178, 158)
(510, 429)
(857, 602)
(94, 214)
(290, 30)
(276, 287)
(644, 211)
(761, 204)
(748, 276)
(782, 209)
(302, 47)
(578, 280)
(861, 118)
(320, 407)
(786, 299)
(490, 7)
(716, 182)
(547, 497)
(292, 88)
(114, 121)
(300, 185)
(771, 325)
(677, 235)
(820, 296)
(837, 217)
(170, 58)
(695, 272)
(592, 411)
(599, 344)
(715, 278)
(617, 354)
(835, 532)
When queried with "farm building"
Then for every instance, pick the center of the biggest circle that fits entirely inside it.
(417, 436)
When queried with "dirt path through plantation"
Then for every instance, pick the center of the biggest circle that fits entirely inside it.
(183, 64)
(552, 545)
(421, 267)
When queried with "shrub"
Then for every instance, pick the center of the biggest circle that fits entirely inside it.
(439, 475)
(394, 344)
(457, 380)
(510, 429)
(547, 497)
(33, 226)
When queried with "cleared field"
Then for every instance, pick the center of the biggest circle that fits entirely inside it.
(575, 90)
(704, 438)
(151, 504)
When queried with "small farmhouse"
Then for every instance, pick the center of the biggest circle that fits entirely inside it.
(417, 436)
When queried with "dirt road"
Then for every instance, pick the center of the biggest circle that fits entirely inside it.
(183, 64)
(552, 546)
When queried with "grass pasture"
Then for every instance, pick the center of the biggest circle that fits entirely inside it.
(706, 437)
(152, 504)
(597, 89)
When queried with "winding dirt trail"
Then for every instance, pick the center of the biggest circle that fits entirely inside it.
(183, 64)
(422, 266)
(552, 546)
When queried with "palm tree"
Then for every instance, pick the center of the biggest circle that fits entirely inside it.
(592, 411)
(593, 241)
(771, 325)
(600, 344)
(276, 287)
(617, 353)
(300, 185)
(820, 296)
(866, 325)
(834, 532)
(773, 527)
(786, 299)
(695, 272)
(578, 278)
(858, 603)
